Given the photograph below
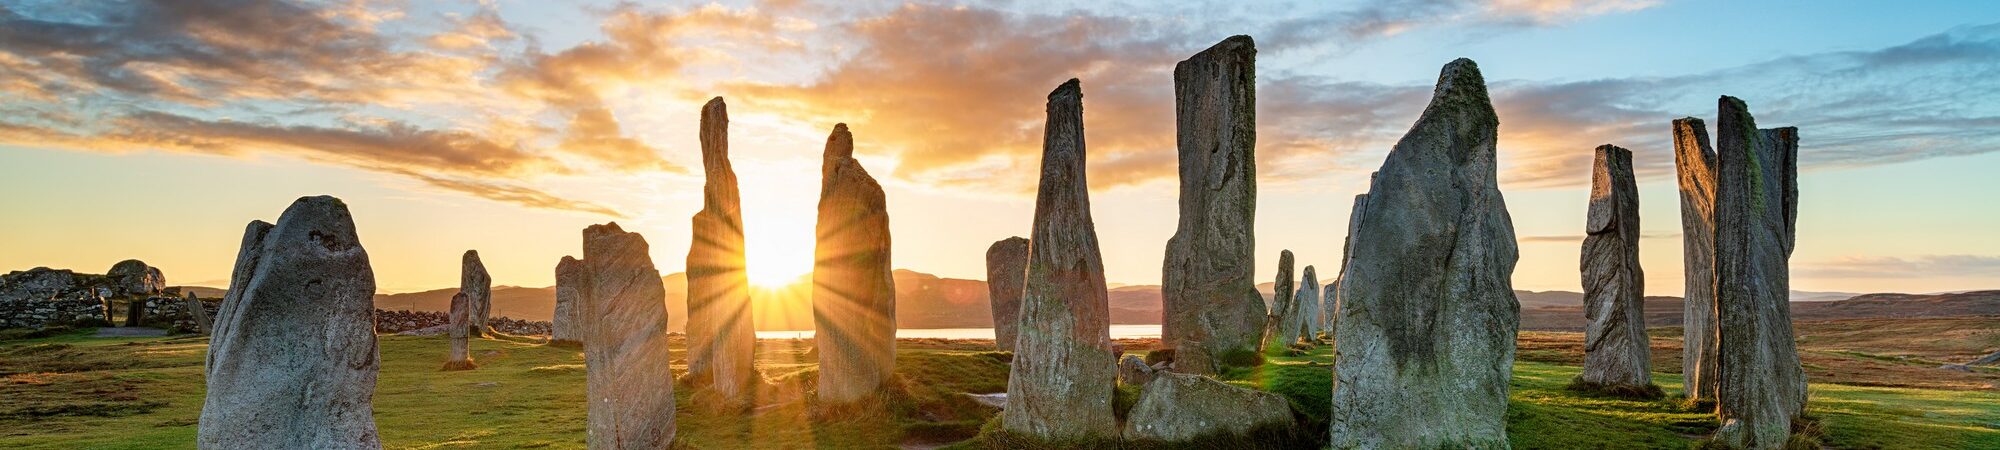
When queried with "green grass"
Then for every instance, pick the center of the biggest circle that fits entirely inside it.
(69, 390)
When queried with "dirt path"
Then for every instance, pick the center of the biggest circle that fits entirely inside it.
(129, 332)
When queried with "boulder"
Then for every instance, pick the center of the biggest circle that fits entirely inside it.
(566, 326)
(1210, 299)
(1763, 385)
(630, 386)
(1064, 368)
(854, 295)
(718, 287)
(133, 278)
(1425, 340)
(1180, 407)
(460, 331)
(292, 360)
(1694, 162)
(1132, 370)
(1006, 269)
(478, 289)
(1616, 352)
(1276, 336)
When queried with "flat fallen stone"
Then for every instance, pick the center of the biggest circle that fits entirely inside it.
(1179, 407)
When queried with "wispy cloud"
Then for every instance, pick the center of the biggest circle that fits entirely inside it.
(1927, 266)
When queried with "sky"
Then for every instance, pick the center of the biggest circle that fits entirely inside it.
(156, 129)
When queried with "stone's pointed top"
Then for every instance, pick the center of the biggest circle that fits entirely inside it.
(1615, 150)
(1689, 119)
(471, 256)
(1238, 45)
(1069, 91)
(839, 144)
(327, 218)
(607, 227)
(1460, 83)
(1285, 255)
(715, 104)
(568, 260)
(1309, 274)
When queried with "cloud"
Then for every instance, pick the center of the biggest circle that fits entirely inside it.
(1926, 266)
(1375, 19)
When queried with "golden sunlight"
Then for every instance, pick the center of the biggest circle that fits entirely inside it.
(780, 208)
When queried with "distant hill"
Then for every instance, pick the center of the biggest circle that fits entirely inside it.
(1667, 312)
(523, 303)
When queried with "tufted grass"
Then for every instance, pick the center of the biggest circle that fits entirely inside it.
(68, 390)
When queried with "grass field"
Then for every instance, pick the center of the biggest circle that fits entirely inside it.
(74, 391)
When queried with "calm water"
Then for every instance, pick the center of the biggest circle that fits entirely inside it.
(1117, 332)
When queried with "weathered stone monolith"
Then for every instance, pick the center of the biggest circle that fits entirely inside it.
(198, 313)
(1212, 307)
(292, 360)
(1427, 327)
(1305, 320)
(478, 289)
(1064, 368)
(718, 287)
(1176, 407)
(460, 332)
(630, 387)
(1006, 269)
(566, 326)
(1694, 162)
(854, 296)
(1335, 293)
(1282, 306)
(1763, 386)
(1616, 356)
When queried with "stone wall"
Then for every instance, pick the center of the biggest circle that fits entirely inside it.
(171, 313)
(392, 322)
(42, 297)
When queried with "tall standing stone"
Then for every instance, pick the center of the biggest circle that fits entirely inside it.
(292, 361)
(1694, 161)
(1275, 336)
(1334, 294)
(198, 313)
(1426, 334)
(1212, 307)
(478, 289)
(854, 296)
(566, 325)
(718, 287)
(461, 331)
(1305, 323)
(1006, 270)
(630, 387)
(1763, 386)
(1615, 348)
(1064, 372)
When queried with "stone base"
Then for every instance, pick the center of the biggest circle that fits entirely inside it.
(1646, 392)
(450, 366)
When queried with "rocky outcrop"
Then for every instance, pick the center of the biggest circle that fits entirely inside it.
(718, 286)
(566, 326)
(478, 289)
(1133, 371)
(854, 294)
(1277, 335)
(133, 278)
(630, 387)
(293, 359)
(1763, 386)
(460, 331)
(1428, 317)
(1212, 307)
(1616, 351)
(1064, 367)
(1006, 269)
(42, 297)
(1305, 320)
(1180, 407)
(1694, 162)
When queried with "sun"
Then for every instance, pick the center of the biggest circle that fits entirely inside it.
(779, 214)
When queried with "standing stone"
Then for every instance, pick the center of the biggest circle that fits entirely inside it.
(478, 289)
(1212, 307)
(1337, 292)
(1427, 328)
(631, 387)
(718, 293)
(1305, 320)
(461, 330)
(1282, 305)
(566, 326)
(198, 313)
(292, 361)
(1694, 161)
(1006, 269)
(1615, 349)
(854, 296)
(1064, 371)
(1763, 386)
